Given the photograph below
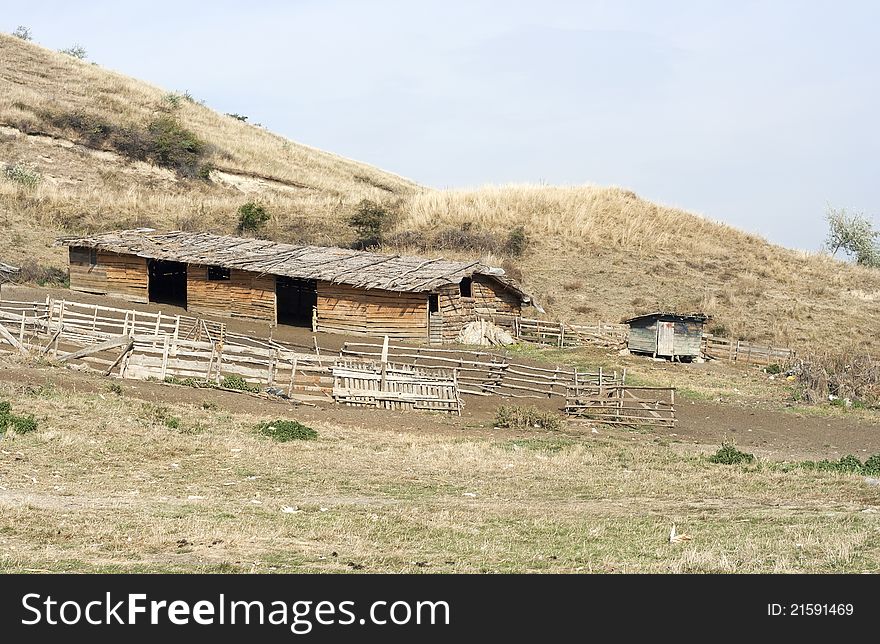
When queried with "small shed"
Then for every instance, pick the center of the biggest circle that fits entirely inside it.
(667, 335)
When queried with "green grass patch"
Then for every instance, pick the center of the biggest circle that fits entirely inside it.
(238, 383)
(730, 455)
(286, 430)
(545, 445)
(20, 424)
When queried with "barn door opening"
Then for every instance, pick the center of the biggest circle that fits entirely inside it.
(296, 299)
(167, 283)
(665, 338)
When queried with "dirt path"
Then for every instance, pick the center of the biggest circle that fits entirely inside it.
(776, 434)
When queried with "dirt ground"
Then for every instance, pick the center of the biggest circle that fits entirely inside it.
(779, 434)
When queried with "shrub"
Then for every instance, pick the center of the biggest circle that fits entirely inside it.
(465, 237)
(174, 146)
(115, 388)
(173, 100)
(516, 242)
(21, 424)
(31, 271)
(370, 221)
(237, 117)
(286, 430)
(849, 375)
(773, 369)
(730, 455)
(520, 417)
(872, 465)
(77, 51)
(239, 383)
(172, 422)
(23, 174)
(251, 217)
(23, 33)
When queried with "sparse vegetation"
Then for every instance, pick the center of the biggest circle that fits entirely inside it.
(728, 454)
(237, 117)
(34, 273)
(23, 174)
(522, 417)
(286, 430)
(252, 217)
(20, 424)
(76, 51)
(22, 33)
(851, 377)
(516, 242)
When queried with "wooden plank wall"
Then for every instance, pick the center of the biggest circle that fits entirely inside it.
(395, 386)
(123, 276)
(489, 300)
(355, 311)
(244, 295)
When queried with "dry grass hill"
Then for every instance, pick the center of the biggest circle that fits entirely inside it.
(86, 149)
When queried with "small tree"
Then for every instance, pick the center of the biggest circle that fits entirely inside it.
(854, 234)
(370, 220)
(251, 217)
(77, 51)
(22, 32)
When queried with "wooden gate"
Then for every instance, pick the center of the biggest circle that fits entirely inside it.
(395, 386)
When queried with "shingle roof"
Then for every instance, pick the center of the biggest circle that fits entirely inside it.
(340, 265)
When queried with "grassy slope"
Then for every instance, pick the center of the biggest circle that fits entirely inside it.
(131, 492)
(596, 253)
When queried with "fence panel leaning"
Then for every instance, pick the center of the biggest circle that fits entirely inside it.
(620, 404)
(390, 385)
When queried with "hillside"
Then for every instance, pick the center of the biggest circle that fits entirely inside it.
(90, 148)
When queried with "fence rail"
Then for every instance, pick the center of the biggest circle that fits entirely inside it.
(395, 386)
(739, 351)
(623, 405)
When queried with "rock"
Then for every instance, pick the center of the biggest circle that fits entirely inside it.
(623, 352)
(872, 481)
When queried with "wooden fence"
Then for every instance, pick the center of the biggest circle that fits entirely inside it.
(562, 335)
(484, 373)
(622, 404)
(395, 386)
(746, 352)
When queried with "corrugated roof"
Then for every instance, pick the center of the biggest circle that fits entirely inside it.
(339, 265)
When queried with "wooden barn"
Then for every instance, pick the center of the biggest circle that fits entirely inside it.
(327, 289)
(667, 335)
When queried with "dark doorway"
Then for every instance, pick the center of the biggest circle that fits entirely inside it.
(296, 299)
(167, 282)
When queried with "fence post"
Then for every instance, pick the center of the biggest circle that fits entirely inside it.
(292, 378)
(165, 357)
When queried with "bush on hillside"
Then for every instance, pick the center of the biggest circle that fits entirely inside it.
(849, 376)
(516, 242)
(76, 51)
(252, 217)
(370, 221)
(41, 275)
(23, 174)
(23, 33)
(239, 383)
(854, 234)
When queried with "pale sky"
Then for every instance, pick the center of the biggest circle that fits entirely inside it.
(754, 113)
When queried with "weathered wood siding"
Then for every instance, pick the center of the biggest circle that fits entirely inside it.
(356, 311)
(244, 295)
(643, 336)
(688, 335)
(123, 276)
(685, 342)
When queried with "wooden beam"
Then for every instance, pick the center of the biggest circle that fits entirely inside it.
(11, 339)
(122, 340)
